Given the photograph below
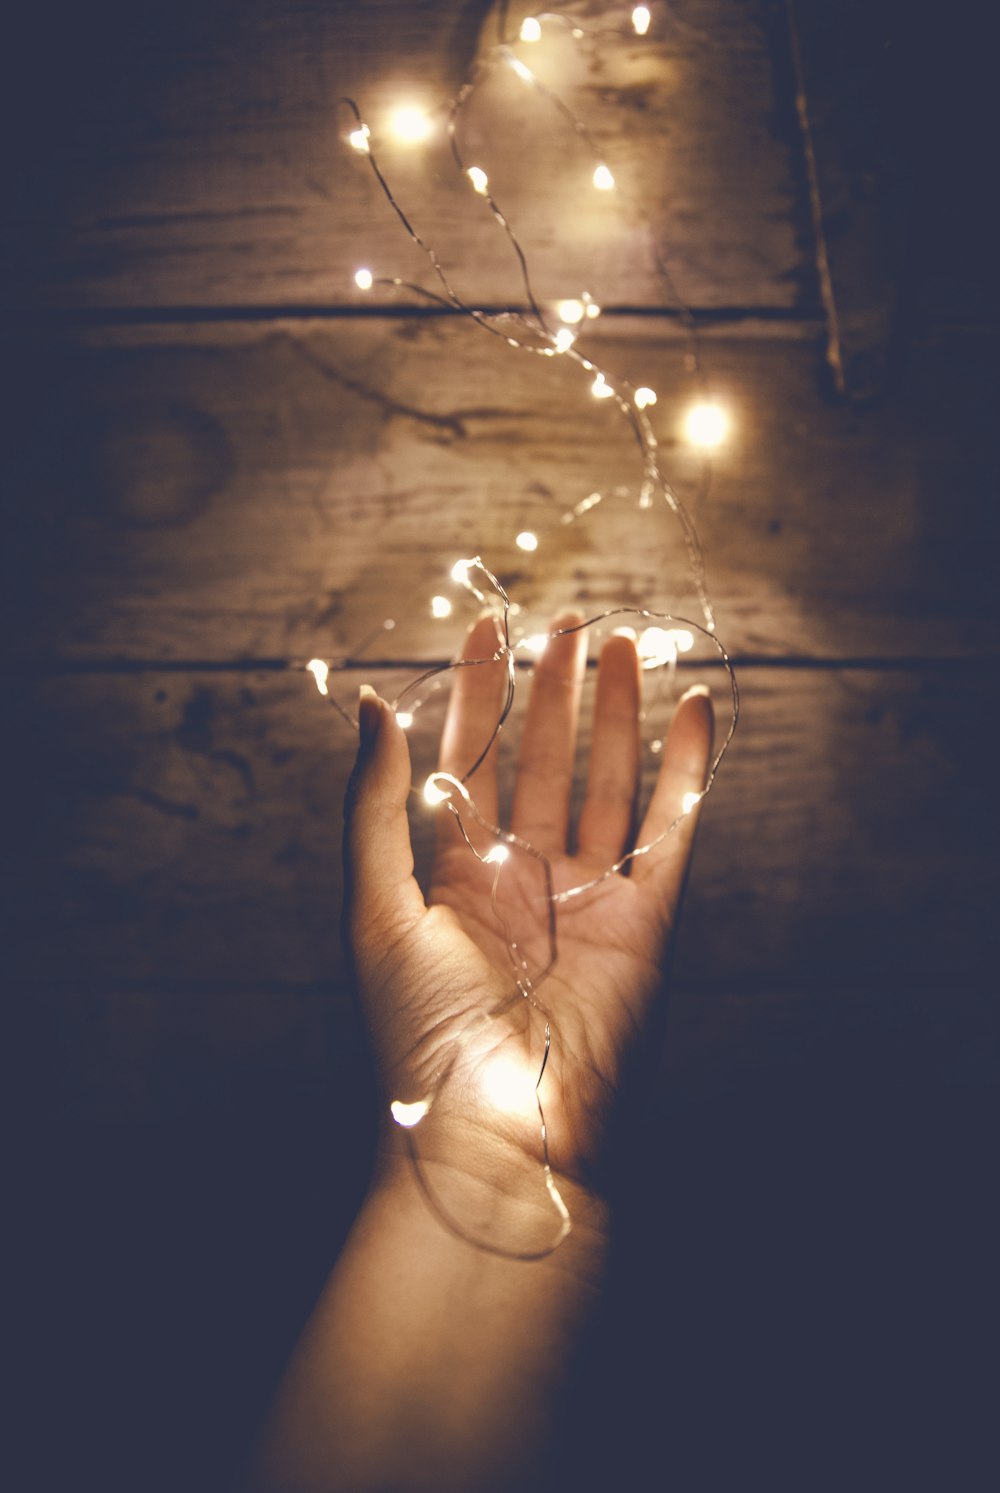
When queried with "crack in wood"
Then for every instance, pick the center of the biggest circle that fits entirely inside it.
(454, 423)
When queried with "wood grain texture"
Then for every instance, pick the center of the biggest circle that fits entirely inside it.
(197, 158)
(234, 491)
(186, 829)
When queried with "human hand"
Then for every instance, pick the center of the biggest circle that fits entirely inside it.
(450, 1026)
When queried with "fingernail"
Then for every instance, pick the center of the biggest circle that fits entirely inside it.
(369, 713)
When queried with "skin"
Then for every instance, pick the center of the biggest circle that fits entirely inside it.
(434, 1355)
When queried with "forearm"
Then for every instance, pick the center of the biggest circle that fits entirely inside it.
(430, 1363)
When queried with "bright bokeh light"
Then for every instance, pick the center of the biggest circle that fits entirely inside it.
(433, 794)
(526, 540)
(497, 855)
(603, 180)
(440, 606)
(706, 424)
(359, 138)
(460, 571)
(410, 124)
(601, 389)
(661, 645)
(688, 802)
(530, 30)
(641, 19)
(571, 311)
(564, 340)
(320, 671)
(656, 646)
(536, 644)
(506, 1083)
(404, 718)
(593, 309)
(479, 179)
(364, 279)
(644, 397)
(521, 68)
(408, 1115)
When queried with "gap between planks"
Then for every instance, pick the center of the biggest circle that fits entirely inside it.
(56, 668)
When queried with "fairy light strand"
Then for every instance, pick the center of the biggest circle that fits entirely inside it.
(653, 478)
(531, 333)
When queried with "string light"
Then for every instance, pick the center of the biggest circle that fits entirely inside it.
(571, 311)
(706, 424)
(658, 642)
(409, 1115)
(409, 124)
(655, 646)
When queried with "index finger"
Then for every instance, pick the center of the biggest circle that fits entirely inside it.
(478, 696)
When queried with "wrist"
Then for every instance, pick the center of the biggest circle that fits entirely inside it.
(488, 1193)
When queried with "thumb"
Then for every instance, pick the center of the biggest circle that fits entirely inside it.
(382, 899)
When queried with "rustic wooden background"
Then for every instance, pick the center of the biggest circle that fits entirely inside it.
(220, 459)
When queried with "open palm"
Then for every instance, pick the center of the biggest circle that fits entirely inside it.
(440, 979)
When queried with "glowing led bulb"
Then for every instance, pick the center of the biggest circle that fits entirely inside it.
(603, 180)
(497, 855)
(433, 794)
(506, 1083)
(564, 340)
(320, 671)
(359, 138)
(410, 124)
(536, 644)
(364, 279)
(460, 571)
(404, 718)
(644, 397)
(688, 802)
(523, 71)
(440, 606)
(661, 645)
(601, 389)
(641, 19)
(526, 540)
(706, 424)
(593, 309)
(479, 179)
(408, 1115)
(530, 30)
(656, 646)
(571, 311)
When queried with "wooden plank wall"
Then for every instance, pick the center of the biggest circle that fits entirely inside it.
(219, 460)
